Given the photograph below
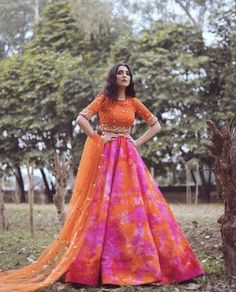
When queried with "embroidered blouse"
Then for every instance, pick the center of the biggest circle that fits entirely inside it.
(118, 116)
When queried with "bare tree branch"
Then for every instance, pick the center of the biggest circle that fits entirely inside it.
(186, 10)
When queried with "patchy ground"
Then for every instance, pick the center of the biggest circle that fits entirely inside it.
(199, 223)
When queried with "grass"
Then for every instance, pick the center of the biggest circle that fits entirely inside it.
(199, 223)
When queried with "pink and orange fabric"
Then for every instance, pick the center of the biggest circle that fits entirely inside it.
(132, 237)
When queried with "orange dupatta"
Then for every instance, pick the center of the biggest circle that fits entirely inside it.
(56, 259)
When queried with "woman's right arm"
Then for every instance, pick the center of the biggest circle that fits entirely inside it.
(86, 114)
(88, 130)
(85, 125)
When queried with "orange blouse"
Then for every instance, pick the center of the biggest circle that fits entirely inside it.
(117, 116)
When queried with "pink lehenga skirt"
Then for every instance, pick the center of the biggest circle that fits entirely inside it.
(132, 236)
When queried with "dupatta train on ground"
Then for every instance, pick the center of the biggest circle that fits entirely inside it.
(56, 259)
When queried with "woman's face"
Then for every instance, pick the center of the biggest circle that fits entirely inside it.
(123, 76)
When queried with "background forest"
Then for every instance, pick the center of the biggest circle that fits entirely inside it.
(55, 56)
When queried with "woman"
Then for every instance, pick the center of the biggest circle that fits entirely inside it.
(119, 229)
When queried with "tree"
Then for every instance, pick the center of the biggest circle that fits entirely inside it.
(54, 80)
(221, 69)
(171, 73)
(63, 67)
(177, 78)
(223, 149)
(11, 148)
(17, 19)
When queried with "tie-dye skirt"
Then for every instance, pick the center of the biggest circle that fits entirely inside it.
(133, 237)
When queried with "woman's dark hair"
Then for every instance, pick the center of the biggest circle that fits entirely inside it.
(111, 87)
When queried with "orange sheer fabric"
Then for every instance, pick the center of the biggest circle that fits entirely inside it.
(56, 259)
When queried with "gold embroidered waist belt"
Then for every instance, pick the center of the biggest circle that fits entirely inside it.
(115, 129)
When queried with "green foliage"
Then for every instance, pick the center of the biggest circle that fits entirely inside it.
(35, 88)
(57, 31)
(222, 65)
(59, 72)
(10, 131)
(170, 80)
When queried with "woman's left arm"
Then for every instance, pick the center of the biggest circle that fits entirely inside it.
(142, 111)
(152, 131)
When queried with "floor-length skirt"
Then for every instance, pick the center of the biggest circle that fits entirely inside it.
(132, 236)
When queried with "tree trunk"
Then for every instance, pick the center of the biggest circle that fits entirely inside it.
(188, 185)
(30, 172)
(3, 222)
(36, 11)
(205, 188)
(223, 149)
(20, 182)
(62, 167)
(16, 196)
(48, 192)
(219, 190)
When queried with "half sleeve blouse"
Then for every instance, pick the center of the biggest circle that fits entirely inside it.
(117, 116)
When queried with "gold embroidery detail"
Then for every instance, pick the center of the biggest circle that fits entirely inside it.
(115, 129)
(152, 120)
(86, 113)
